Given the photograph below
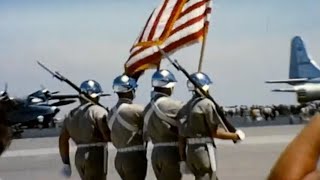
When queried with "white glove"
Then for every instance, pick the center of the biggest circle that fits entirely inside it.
(241, 134)
(66, 170)
(184, 169)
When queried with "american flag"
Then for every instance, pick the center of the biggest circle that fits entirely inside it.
(174, 24)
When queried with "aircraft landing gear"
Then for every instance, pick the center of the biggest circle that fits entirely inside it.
(16, 131)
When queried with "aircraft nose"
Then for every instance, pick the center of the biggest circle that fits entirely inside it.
(55, 109)
(40, 119)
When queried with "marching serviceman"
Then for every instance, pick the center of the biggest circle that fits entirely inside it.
(200, 124)
(87, 126)
(125, 121)
(162, 126)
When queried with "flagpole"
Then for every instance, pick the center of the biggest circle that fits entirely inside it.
(203, 46)
(158, 66)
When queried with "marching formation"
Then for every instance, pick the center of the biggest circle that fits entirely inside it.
(182, 133)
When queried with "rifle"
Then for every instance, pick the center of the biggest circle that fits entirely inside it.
(83, 95)
(225, 123)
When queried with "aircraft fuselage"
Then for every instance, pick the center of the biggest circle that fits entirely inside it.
(307, 92)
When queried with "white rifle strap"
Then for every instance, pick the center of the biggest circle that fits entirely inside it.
(212, 157)
(79, 108)
(127, 125)
(191, 105)
(84, 106)
(161, 114)
(116, 116)
(146, 120)
(134, 129)
(113, 117)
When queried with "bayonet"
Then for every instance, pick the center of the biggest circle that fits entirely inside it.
(59, 76)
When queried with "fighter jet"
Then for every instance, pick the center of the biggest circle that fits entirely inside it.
(304, 74)
(36, 110)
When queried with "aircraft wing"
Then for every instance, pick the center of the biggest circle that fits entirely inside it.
(289, 81)
(283, 90)
(66, 96)
(70, 96)
(102, 95)
(234, 106)
(62, 102)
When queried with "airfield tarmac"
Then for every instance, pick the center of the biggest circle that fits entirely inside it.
(38, 158)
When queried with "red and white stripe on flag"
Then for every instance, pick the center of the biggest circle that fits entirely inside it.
(173, 25)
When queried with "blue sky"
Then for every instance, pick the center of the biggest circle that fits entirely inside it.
(248, 43)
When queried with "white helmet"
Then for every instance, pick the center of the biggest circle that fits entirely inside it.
(202, 79)
(163, 78)
(123, 84)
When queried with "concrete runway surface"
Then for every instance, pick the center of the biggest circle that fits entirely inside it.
(38, 158)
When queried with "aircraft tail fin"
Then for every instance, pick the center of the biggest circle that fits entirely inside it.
(301, 66)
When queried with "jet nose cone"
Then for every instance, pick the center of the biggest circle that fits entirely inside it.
(40, 119)
(55, 109)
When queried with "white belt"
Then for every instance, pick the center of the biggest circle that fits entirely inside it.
(99, 144)
(132, 148)
(202, 140)
(166, 144)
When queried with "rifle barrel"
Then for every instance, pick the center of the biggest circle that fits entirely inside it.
(83, 95)
(227, 125)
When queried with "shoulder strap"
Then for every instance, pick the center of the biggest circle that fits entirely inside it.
(83, 107)
(124, 123)
(193, 103)
(146, 119)
(189, 108)
(113, 117)
(162, 115)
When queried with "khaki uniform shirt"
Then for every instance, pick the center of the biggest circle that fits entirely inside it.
(161, 122)
(121, 122)
(199, 118)
(86, 124)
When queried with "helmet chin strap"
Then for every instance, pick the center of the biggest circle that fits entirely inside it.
(171, 90)
(198, 92)
(167, 91)
(95, 99)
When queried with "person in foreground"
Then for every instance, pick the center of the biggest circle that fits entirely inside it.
(199, 125)
(87, 126)
(162, 126)
(299, 159)
(6, 105)
(125, 121)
